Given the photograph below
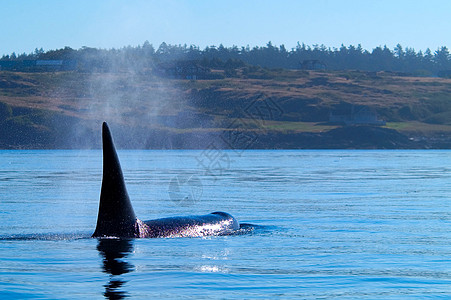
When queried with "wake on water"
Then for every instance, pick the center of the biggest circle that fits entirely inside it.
(245, 228)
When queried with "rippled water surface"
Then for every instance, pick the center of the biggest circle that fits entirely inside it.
(332, 225)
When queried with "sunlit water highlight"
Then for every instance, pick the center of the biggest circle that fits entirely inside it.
(334, 224)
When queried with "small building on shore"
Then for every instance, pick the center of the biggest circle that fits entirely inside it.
(47, 65)
(313, 64)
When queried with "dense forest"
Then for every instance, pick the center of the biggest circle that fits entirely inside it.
(143, 57)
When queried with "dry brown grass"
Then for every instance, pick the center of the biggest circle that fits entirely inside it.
(84, 95)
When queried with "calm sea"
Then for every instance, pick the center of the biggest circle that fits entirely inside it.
(332, 225)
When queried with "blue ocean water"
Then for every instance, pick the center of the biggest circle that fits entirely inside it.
(332, 225)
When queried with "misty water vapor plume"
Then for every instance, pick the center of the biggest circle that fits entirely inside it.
(141, 107)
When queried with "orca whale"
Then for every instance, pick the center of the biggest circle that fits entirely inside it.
(117, 218)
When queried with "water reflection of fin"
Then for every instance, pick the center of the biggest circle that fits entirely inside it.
(113, 252)
(112, 290)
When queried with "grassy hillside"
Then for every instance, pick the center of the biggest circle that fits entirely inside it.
(280, 108)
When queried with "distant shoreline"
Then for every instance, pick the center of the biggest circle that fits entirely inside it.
(284, 110)
(346, 138)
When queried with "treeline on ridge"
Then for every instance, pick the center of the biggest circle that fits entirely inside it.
(142, 57)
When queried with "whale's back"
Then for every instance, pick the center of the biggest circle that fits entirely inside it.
(217, 223)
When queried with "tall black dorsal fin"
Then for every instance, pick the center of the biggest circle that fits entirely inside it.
(116, 215)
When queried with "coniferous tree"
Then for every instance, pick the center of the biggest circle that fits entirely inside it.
(399, 59)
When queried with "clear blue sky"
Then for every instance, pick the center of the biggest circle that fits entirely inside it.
(53, 24)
